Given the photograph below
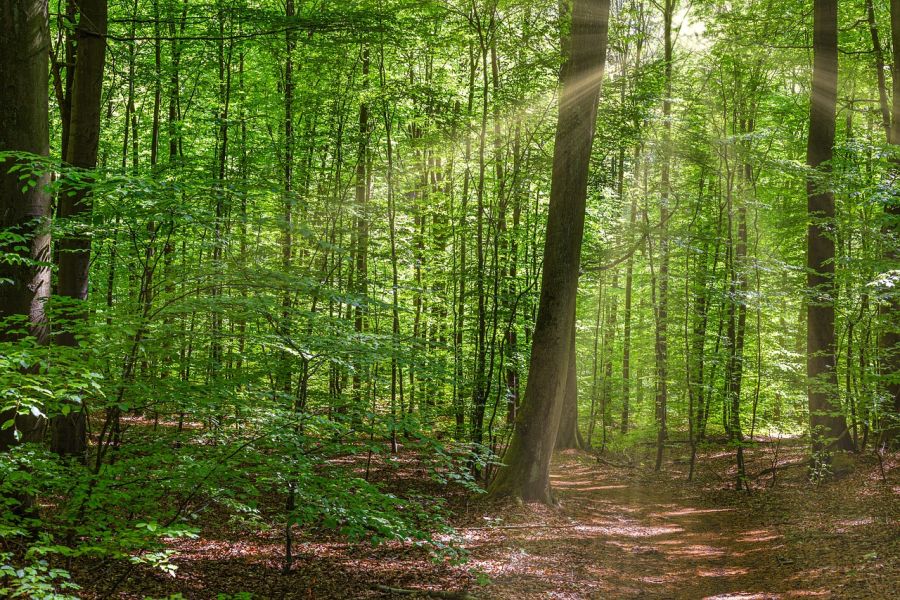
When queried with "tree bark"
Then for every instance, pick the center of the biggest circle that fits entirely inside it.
(569, 436)
(662, 307)
(69, 431)
(889, 341)
(828, 428)
(527, 470)
(24, 208)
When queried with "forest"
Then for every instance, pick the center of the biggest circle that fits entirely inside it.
(463, 299)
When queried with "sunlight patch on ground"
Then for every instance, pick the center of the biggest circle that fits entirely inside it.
(722, 571)
(743, 596)
(693, 511)
(758, 536)
(697, 551)
(846, 525)
(633, 530)
(570, 483)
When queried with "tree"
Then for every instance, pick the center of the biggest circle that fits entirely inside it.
(890, 337)
(24, 201)
(828, 427)
(69, 431)
(527, 470)
(569, 436)
(662, 305)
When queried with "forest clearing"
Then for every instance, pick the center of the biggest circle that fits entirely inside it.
(449, 299)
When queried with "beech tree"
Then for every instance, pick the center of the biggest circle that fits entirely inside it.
(526, 473)
(83, 128)
(299, 250)
(24, 199)
(827, 424)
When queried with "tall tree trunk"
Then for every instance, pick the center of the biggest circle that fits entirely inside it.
(827, 425)
(361, 250)
(662, 307)
(25, 211)
(287, 238)
(69, 431)
(879, 68)
(889, 341)
(396, 373)
(629, 286)
(527, 474)
(569, 435)
(480, 384)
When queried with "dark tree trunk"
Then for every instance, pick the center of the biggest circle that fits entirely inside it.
(361, 250)
(69, 431)
(24, 55)
(890, 334)
(827, 425)
(568, 435)
(527, 474)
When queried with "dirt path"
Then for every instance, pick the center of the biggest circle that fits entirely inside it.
(619, 534)
(634, 539)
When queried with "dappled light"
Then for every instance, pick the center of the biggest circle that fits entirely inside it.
(449, 299)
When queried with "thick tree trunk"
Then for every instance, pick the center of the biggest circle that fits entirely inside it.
(827, 425)
(568, 435)
(24, 285)
(69, 431)
(527, 474)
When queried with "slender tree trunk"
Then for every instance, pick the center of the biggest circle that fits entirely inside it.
(396, 374)
(879, 68)
(287, 217)
(662, 307)
(595, 369)
(361, 277)
(629, 285)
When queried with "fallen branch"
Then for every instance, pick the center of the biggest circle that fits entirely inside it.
(789, 465)
(432, 593)
(603, 461)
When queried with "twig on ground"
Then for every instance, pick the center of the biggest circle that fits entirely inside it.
(432, 593)
(789, 465)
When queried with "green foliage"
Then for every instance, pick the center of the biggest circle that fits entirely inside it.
(273, 309)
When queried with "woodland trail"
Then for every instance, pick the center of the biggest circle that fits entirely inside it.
(639, 539)
(619, 533)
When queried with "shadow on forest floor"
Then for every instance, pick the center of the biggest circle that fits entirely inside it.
(619, 532)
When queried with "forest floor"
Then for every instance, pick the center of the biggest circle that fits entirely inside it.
(620, 531)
